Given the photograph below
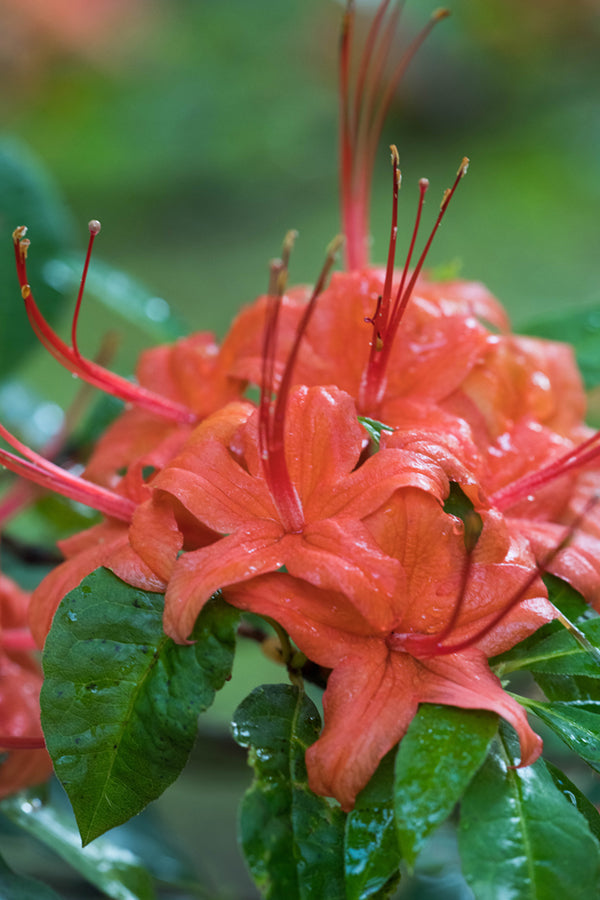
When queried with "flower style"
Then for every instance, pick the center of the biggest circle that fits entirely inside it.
(429, 643)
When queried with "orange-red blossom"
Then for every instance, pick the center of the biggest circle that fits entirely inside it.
(379, 585)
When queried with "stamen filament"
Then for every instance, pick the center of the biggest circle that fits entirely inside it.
(524, 487)
(94, 228)
(41, 471)
(271, 422)
(70, 358)
(374, 381)
(362, 114)
(378, 119)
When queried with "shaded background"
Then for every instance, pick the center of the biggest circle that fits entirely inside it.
(199, 132)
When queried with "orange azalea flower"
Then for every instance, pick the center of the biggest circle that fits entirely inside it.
(21, 735)
(429, 643)
(432, 354)
(305, 513)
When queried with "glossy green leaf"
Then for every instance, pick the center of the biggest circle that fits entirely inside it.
(519, 836)
(438, 756)
(576, 722)
(27, 197)
(567, 687)
(575, 796)
(292, 839)
(106, 864)
(557, 653)
(374, 429)
(566, 598)
(371, 850)
(120, 700)
(19, 887)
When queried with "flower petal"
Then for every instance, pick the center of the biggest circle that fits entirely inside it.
(578, 563)
(372, 484)
(465, 680)
(20, 717)
(322, 623)
(368, 705)
(323, 440)
(155, 536)
(340, 555)
(196, 576)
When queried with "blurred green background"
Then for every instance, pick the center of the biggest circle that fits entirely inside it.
(200, 131)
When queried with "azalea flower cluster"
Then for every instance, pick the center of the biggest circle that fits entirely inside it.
(391, 500)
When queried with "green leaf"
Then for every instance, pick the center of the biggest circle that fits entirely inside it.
(581, 329)
(371, 850)
(18, 887)
(458, 504)
(577, 723)
(574, 796)
(106, 864)
(438, 756)
(566, 598)
(27, 197)
(534, 650)
(292, 839)
(120, 700)
(554, 652)
(374, 429)
(567, 687)
(519, 837)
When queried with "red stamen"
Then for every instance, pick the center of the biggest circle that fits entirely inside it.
(70, 358)
(392, 83)
(524, 487)
(362, 114)
(373, 382)
(382, 312)
(346, 136)
(271, 422)
(24, 493)
(41, 471)
(94, 229)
